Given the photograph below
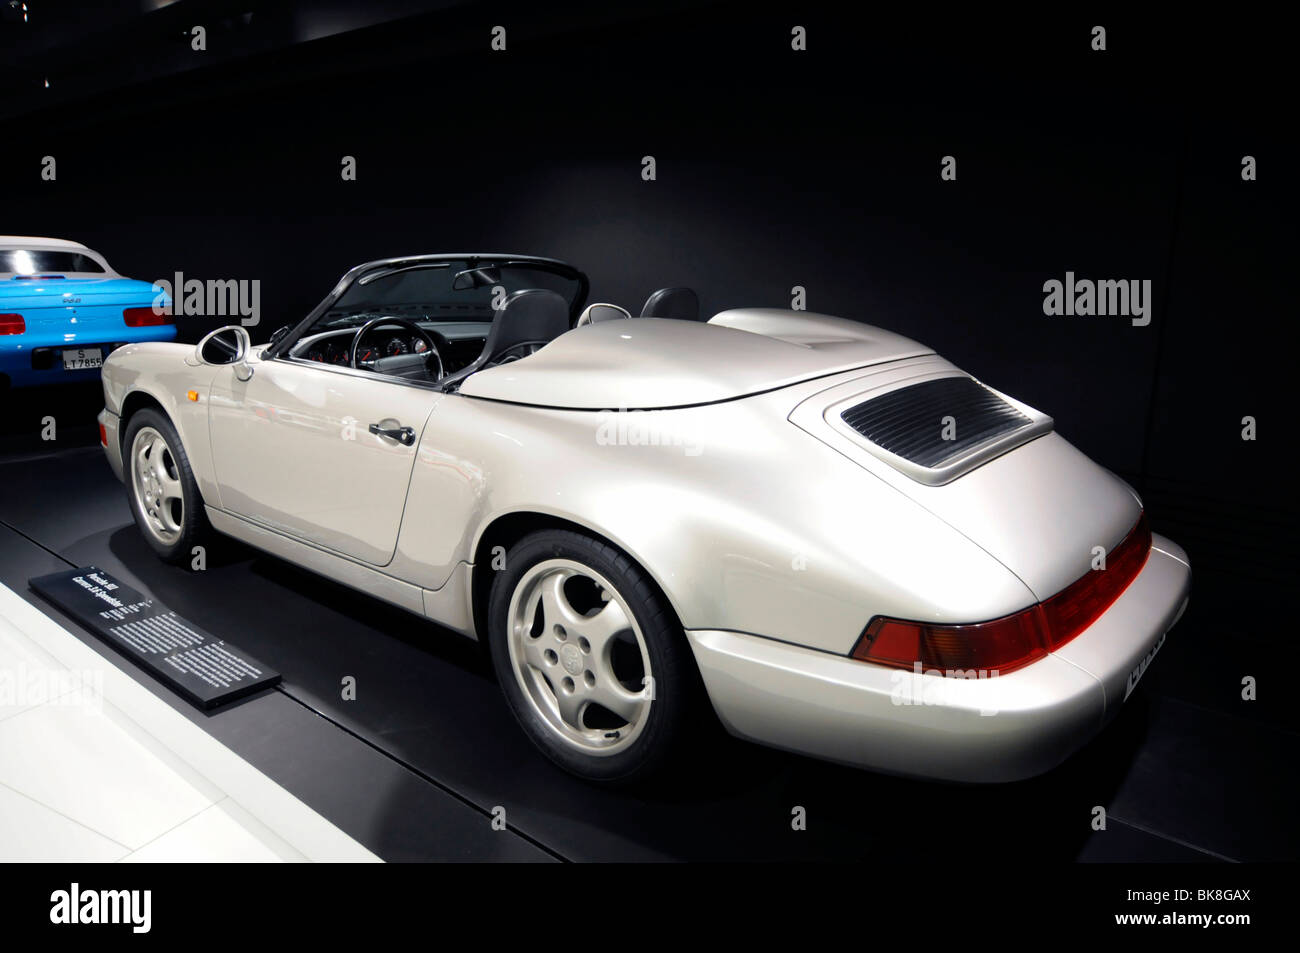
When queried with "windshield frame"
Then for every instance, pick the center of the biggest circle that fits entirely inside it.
(282, 347)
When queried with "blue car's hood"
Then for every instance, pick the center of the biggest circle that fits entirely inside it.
(19, 293)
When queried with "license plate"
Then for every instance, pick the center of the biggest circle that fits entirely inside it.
(1137, 673)
(82, 358)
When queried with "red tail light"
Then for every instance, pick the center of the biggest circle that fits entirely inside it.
(1012, 642)
(12, 324)
(146, 317)
(103, 436)
(1000, 646)
(1078, 605)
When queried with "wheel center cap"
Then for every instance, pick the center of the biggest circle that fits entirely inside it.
(571, 658)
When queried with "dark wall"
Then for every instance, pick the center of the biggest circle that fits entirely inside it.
(775, 169)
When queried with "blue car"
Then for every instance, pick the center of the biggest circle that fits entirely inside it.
(63, 309)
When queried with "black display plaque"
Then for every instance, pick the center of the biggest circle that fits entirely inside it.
(206, 670)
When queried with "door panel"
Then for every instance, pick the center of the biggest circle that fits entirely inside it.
(293, 451)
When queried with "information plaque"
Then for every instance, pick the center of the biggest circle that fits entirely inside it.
(206, 670)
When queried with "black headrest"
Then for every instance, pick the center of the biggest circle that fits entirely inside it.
(680, 303)
(533, 315)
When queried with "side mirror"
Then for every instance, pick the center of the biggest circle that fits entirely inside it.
(228, 345)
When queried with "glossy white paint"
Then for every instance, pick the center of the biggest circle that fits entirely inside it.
(1113, 646)
(658, 362)
(710, 514)
(775, 537)
(350, 572)
(158, 371)
(834, 708)
(292, 451)
(997, 728)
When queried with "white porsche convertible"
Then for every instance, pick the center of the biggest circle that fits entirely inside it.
(845, 544)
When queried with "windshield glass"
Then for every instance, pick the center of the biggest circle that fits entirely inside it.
(450, 291)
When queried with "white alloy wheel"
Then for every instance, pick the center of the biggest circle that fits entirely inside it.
(579, 657)
(156, 486)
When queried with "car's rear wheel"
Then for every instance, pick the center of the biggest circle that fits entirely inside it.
(161, 488)
(591, 658)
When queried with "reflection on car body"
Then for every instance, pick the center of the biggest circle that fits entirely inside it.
(839, 510)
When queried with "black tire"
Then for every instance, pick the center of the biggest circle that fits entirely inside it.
(678, 693)
(192, 526)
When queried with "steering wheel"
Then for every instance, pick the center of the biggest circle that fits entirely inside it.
(401, 365)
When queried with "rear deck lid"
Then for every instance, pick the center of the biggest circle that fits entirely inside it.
(51, 291)
(653, 363)
(76, 308)
(1002, 478)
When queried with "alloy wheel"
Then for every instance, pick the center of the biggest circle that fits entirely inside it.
(580, 657)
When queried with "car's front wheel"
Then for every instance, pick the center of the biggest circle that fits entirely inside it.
(161, 488)
(591, 658)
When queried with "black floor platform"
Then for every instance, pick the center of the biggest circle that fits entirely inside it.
(415, 765)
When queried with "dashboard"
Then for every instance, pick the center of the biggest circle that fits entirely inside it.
(464, 342)
(334, 350)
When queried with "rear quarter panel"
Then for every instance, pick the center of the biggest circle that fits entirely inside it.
(746, 522)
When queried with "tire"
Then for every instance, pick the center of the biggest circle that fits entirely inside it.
(161, 489)
(562, 655)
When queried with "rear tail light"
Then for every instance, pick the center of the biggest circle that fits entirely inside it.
(1012, 642)
(1079, 605)
(146, 317)
(103, 436)
(1001, 645)
(12, 324)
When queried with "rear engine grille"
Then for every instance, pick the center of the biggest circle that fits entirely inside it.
(910, 421)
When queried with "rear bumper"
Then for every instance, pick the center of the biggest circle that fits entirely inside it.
(999, 728)
(34, 359)
(112, 439)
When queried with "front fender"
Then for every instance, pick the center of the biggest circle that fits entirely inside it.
(159, 373)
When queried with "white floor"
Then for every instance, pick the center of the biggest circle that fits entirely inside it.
(94, 767)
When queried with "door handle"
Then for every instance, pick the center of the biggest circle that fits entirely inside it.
(403, 435)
